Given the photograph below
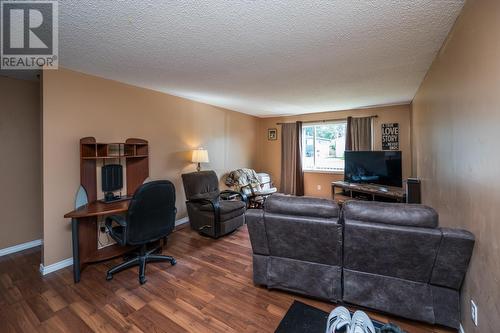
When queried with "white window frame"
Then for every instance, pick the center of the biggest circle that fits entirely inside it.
(314, 124)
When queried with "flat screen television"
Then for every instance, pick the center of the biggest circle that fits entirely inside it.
(373, 167)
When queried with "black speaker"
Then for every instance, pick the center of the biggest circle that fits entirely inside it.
(413, 192)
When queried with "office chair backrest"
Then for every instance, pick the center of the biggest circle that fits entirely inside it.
(151, 213)
(200, 184)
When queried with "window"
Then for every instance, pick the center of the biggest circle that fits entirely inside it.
(323, 146)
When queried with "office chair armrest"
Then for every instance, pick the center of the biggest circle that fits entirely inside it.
(242, 195)
(121, 220)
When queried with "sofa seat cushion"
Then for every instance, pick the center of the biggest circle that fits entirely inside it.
(301, 206)
(408, 215)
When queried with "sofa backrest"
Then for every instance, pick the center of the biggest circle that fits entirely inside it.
(302, 206)
(408, 215)
(390, 239)
(303, 228)
(404, 241)
(402, 252)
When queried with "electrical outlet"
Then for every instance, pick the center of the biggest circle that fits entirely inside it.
(473, 311)
(318, 187)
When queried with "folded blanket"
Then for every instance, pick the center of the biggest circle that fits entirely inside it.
(241, 178)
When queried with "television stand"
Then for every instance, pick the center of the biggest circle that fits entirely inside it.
(372, 192)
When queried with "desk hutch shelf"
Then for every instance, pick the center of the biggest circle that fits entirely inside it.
(134, 151)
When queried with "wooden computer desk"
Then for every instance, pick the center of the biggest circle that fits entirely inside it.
(84, 230)
(135, 152)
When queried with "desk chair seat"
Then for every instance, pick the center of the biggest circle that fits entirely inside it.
(150, 217)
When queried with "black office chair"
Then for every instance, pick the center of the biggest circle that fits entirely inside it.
(150, 217)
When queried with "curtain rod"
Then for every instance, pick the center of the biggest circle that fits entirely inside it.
(324, 121)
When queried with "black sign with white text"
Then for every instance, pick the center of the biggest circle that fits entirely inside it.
(390, 136)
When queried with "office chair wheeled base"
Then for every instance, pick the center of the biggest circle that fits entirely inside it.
(140, 259)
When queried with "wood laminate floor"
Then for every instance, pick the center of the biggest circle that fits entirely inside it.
(209, 290)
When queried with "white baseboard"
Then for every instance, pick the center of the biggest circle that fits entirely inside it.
(181, 221)
(461, 329)
(44, 270)
(20, 247)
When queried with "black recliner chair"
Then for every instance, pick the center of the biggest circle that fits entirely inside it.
(209, 213)
(150, 217)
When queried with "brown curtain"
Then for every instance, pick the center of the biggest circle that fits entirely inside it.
(292, 176)
(359, 134)
(299, 173)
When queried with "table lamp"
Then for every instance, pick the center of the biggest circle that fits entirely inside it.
(200, 155)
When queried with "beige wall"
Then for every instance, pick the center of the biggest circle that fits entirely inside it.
(20, 197)
(270, 152)
(76, 105)
(456, 117)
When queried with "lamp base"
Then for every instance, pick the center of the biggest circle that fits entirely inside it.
(198, 168)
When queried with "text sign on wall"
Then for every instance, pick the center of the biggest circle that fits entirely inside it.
(390, 136)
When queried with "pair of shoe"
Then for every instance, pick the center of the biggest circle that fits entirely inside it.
(340, 320)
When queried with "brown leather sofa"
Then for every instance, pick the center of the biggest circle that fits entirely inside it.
(388, 257)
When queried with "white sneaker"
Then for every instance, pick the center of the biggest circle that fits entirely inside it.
(338, 319)
(361, 323)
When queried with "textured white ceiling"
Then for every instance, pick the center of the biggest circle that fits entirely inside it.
(260, 57)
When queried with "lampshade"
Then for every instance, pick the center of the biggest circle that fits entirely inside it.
(200, 156)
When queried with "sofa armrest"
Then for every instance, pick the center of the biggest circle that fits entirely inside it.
(455, 252)
(257, 231)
